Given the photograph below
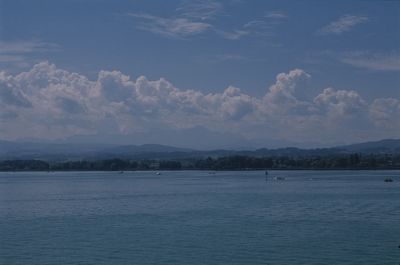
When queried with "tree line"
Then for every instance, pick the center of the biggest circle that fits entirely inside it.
(235, 162)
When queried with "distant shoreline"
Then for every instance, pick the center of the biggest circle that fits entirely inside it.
(202, 170)
(353, 161)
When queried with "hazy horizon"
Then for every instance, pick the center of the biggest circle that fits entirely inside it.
(91, 141)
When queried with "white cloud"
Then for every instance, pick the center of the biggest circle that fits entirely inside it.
(256, 24)
(343, 24)
(18, 53)
(196, 17)
(232, 35)
(26, 46)
(11, 58)
(182, 27)
(283, 91)
(200, 9)
(385, 112)
(373, 61)
(172, 27)
(277, 15)
(13, 96)
(340, 103)
(48, 102)
(232, 57)
(265, 26)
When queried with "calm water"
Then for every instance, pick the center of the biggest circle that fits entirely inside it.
(344, 217)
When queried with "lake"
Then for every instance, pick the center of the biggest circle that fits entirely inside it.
(199, 217)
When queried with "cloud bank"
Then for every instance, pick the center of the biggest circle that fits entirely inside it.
(51, 103)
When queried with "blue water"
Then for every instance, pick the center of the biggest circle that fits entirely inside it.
(312, 217)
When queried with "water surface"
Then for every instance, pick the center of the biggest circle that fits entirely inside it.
(194, 217)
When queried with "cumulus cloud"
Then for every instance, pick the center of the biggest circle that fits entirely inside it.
(281, 95)
(343, 24)
(340, 102)
(385, 112)
(48, 102)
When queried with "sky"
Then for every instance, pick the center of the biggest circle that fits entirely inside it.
(201, 74)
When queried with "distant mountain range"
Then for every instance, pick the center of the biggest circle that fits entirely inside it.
(382, 146)
(76, 151)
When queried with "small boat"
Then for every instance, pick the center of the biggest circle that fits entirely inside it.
(158, 173)
(279, 178)
(388, 180)
(121, 172)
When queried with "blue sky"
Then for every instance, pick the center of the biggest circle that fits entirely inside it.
(206, 47)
